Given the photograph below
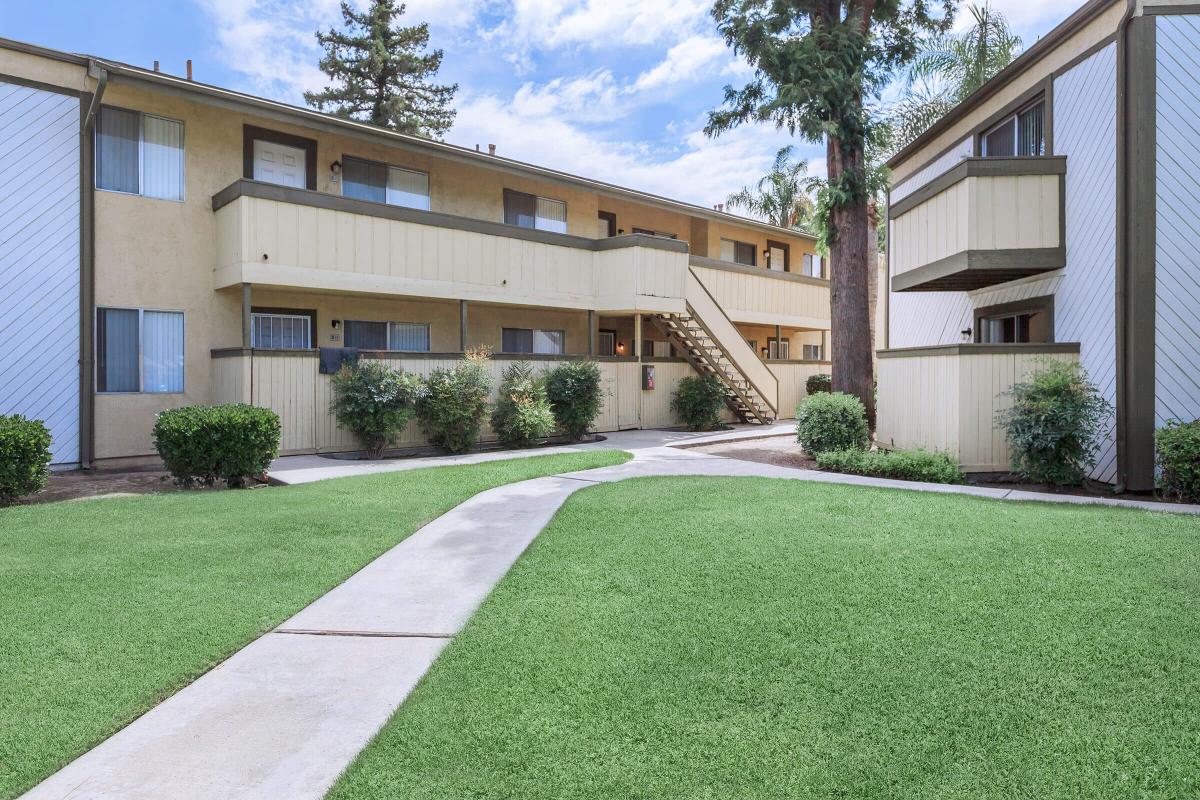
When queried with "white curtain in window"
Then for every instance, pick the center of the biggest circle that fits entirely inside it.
(117, 150)
(549, 342)
(408, 336)
(162, 351)
(551, 215)
(117, 350)
(727, 250)
(408, 188)
(162, 158)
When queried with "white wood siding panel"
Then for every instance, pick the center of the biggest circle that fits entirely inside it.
(1177, 287)
(1085, 303)
(39, 262)
(764, 300)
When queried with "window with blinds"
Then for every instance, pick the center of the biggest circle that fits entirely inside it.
(382, 183)
(408, 337)
(813, 267)
(526, 340)
(812, 352)
(738, 252)
(139, 350)
(530, 211)
(1022, 134)
(277, 331)
(139, 153)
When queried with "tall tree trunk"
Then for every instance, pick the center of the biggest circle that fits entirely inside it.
(850, 307)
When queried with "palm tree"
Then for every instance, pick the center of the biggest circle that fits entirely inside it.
(781, 196)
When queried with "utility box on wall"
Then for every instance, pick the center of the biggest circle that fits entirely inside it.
(647, 376)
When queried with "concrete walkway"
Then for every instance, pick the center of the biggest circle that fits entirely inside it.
(283, 717)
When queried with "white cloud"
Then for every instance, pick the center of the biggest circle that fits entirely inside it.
(603, 23)
(695, 58)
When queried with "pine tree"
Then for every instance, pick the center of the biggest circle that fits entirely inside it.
(380, 72)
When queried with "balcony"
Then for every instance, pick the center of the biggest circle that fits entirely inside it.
(293, 238)
(946, 398)
(985, 221)
(759, 296)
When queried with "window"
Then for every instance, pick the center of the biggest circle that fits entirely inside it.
(778, 348)
(652, 349)
(738, 252)
(524, 340)
(410, 337)
(1024, 321)
(648, 232)
(381, 183)
(812, 352)
(138, 350)
(813, 265)
(779, 256)
(530, 211)
(607, 342)
(139, 153)
(606, 224)
(1022, 134)
(281, 330)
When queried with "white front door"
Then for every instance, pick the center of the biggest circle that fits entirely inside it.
(278, 163)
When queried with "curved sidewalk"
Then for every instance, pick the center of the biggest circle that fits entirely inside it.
(284, 716)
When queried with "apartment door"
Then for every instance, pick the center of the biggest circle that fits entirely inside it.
(279, 163)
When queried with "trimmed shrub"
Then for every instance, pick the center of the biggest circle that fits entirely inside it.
(818, 383)
(698, 401)
(204, 444)
(832, 421)
(453, 404)
(1054, 424)
(522, 415)
(24, 457)
(574, 390)
(374, 402)
(1178, 447)
(904, 465)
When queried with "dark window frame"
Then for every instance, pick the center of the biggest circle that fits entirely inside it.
(1033, 305)
(311, 313)
(611, 219)
(252, 132)
(612, 332)
(386, 167)
(787, 254)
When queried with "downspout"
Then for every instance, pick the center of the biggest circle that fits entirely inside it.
(87, 271)
(1122, 265)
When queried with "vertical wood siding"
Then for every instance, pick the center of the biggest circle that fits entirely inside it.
(1177, 292)
(39, 262)
(1085, 303)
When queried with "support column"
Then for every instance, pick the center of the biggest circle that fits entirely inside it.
(637, 336)
(591, 325)
(824, 345)
(246, 307)
(778, 343)
(462, 325)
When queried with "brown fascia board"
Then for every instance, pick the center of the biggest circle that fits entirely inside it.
(1035, 53)
(296, 114)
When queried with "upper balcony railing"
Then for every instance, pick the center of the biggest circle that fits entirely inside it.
(983, 222)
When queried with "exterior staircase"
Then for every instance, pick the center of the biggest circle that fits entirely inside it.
(713, 345)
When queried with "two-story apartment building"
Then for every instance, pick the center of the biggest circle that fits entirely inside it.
(1052, 215)
(183, 243)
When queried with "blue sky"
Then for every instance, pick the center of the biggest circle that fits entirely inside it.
(611, 89)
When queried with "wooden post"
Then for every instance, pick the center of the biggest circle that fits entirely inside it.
(246, 308)
(778, 343)
(462, 325)
(637, 336)
(591, 324)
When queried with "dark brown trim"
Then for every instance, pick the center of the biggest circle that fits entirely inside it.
(1190, 8)
(1043, 304)
(977, 167)
(787, 255)
(662, 359)
(772, 361)
(311, 313)
(252, 132)
(1136, 270)
(729, 266)
(287, 194)
(611, 219)
(976, 269)
(980, 349)
(462, 325)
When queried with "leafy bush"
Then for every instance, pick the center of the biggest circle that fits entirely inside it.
(904, 465)
(204, 444)
(522, 415)
(818, 383)
(453, 404)
(374, 402)
(1178, 447)
(24, 457)
(698, 401)
(575, 395)
(832, 421)
(1054, 424)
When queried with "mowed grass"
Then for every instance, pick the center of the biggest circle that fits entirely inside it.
(108, 606)
(752, 638)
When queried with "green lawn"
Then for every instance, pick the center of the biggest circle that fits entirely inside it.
(108, 606)
(749, 638)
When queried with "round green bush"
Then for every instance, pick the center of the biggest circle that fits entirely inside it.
(522, 416)
(818, 383)
(374, 402)
(832, 421)
(575, 394)
(1178, 446)
(454, 403)
(24, 457)
(698, 401)
(204, 444)
(1054, 424)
